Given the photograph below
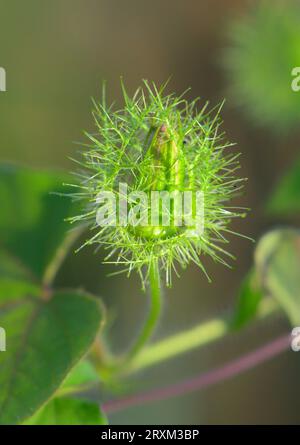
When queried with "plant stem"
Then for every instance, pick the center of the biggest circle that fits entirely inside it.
(60, 256)
(174, 345)
(225, 372)
(154, 313)
(200, 335)
(110, 366)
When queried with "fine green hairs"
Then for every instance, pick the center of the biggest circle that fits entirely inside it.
(158, 143)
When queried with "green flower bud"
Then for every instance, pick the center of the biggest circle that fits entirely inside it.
(179, 176)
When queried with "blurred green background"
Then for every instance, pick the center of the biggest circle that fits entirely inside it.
(56, 55)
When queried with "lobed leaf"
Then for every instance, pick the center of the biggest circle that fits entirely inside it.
(45, 339)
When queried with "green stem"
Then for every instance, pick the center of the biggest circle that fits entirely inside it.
(109, 365)
(154, 313)
(200, 335)
(60, 256)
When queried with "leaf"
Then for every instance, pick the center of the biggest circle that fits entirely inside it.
(32, 216)
(250, 296)
(10, 267)
(82, 377)
(11, 291)
(46, 337)
(285, 199)
(15, 280)
(45, 340)
(65, 411)
(277, 260)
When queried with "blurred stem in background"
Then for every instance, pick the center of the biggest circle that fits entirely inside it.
(203, 334)
(200, 335)
(214, 376)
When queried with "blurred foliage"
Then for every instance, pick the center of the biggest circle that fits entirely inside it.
(277, 259)
(64, 411)
(82, 376)
(285, 199)
(250, 295)
(32, 225)
(45, 340)
(48, 331)
(264, 48)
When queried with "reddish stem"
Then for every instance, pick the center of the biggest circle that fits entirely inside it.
(230, 369)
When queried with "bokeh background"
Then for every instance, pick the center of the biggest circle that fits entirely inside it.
(56, 55)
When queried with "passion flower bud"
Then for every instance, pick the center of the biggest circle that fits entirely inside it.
(157, 179)
(166, 176)
(168, 168)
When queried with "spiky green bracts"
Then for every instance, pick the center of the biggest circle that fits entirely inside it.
(158, 144)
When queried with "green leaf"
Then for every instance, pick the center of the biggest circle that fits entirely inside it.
(45, 340)
(64, 411)
(11, 268)
(82, 377)
(15, 280)
(32, 225)
(277, 260)
(285, 199)
(11, 291)
(250, 296)
(47, 332)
